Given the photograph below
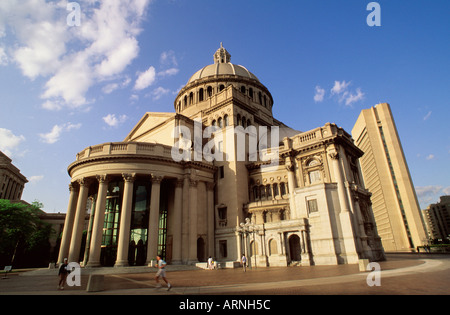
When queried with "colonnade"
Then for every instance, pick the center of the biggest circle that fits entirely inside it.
(193, 202)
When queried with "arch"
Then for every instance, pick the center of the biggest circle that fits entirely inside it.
(209, 91)
(273, 248)
(238, 120)
(220, 122)
(226, 121)
(243, 89)
(294, 248)
(221, 87)
(191, 98)
(201, 95)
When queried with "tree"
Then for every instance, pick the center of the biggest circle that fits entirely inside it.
(22, 233)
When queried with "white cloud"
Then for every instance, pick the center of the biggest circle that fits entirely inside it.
(9, 142)
(339, 87)
(113, 121)
(145, 79)
(427, 116)
(159, 92)
(344, 95)
(35, 179)
(3, 57)
(430, 157)
(168, 58)
(55, 134)
(320, 94)
(351, 98)
(168, 72)
(71, 59)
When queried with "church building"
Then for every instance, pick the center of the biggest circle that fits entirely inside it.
(221, 177)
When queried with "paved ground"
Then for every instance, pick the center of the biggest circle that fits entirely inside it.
(401, 274)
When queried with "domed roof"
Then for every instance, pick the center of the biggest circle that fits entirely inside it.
(222, 66)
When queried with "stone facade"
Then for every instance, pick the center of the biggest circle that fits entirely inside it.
(12, 182)
(161, 192)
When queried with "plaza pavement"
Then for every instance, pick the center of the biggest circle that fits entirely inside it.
(401, 274)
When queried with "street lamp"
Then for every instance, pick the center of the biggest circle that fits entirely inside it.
(246, 229)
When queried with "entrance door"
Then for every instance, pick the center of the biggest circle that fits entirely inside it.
(294, 248)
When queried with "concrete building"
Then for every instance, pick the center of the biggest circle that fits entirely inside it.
(437, 219)
(12, 182)
(222, 177)
(386, 176)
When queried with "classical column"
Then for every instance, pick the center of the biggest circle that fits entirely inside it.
(177, 222)
(349, 250)
(68, 224)
(125, 219)
(210, 217)
(193, 235)
(153, 224)
(291, 186)
(185, 223)
(99, 220)
(77, 233)
(343, 200)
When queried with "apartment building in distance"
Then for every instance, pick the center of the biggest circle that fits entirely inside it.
(386, 175)
(437, 219)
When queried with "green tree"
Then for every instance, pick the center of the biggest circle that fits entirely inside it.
(22, 233)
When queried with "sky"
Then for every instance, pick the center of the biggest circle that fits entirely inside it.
(84, 74)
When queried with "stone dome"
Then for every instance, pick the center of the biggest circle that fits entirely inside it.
(222, 66)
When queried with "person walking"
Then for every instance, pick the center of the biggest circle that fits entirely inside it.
(210, 263)
(62, 274)
(161, 265)
(244, 262)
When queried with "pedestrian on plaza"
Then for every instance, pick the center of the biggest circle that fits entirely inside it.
(62, 274)
(210, 263)
(244, 262)
(161, 265)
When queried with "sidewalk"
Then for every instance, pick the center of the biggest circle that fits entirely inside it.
(400, 274)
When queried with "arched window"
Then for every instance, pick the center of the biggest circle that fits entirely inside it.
(221, 87)
(282, 189)
(185, 101)
(249, 123)
(260, 98)
(255, 193)
(191, 98)
(225, 120)
(209, 91)
(238, 120)
(243, 89)
(250, 93)
(262, 192)
(275, 190)
(200, 95)
(268, 192)
(213, 123)
(244, 122)
(265, 101)
(219, 122)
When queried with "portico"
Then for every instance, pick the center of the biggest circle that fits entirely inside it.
(140, 202)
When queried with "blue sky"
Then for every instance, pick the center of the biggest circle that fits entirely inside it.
(64, 88)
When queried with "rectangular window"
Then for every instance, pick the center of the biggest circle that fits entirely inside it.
(223, 249)
(221, 172)
(312, 206)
